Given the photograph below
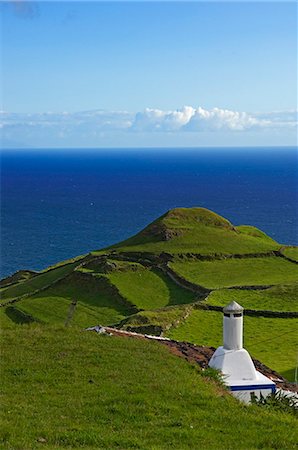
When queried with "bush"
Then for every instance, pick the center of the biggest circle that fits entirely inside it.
(278, 400)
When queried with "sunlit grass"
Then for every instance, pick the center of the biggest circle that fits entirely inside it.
(236, 272)
(276, 298)
(61, 388)
(274, 341)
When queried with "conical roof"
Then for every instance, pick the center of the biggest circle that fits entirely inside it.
(233, 307)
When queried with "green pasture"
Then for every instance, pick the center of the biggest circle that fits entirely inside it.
(276, 298)
(39, 281)
(164, 318)
(203, 240)
(66, 389)
(291, 252)
(149, 289)
(274, 341)
(197, 230)
(96, 303)
(237, 272)
(19, 276)
(75, 259)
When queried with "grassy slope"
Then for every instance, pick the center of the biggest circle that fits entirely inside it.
(203, 240)
(291, 252)
(272, 341)
(148, 289)
(277, 298)
(164, 318)
(76, 259)
(200, 231)
(37, 282)
(96, 303)
(236, 272)
(21, 275)
(74, 390)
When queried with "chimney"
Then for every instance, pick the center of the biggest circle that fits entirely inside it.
(233, 326)
(235, 362)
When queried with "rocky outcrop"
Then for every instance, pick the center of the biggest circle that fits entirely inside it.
(161, 232)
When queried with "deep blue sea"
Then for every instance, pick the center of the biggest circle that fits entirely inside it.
(58, 204)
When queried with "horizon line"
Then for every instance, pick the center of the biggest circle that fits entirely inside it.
(133, 148)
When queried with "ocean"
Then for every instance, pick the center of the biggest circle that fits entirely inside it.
(56, 204)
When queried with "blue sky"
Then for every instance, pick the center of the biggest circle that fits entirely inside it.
(135, 66)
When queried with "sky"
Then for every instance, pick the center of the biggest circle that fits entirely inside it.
(113, 74)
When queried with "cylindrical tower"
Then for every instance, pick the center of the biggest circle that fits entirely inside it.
(233, 326)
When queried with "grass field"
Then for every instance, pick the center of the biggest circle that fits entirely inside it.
(21, 275)
(96, 303)
(291, 252)
(148, 289)
(62, 387)
(237, 272)
(76, 259)
(197, 230)
(66, 389)
(163, 318)
(276, 298)
(38, 282)
(273, 341)
(204, 240)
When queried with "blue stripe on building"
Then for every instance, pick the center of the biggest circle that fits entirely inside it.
(253, 387)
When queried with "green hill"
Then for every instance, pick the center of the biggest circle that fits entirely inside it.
(197, 230)
(64, 389)
(178, 259)
(162, 281)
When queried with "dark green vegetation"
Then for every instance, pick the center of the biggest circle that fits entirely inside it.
(21, 275)
(278, 400)
(74, 389)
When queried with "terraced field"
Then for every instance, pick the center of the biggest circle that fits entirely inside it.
(237, 272)
(38, 282)
(277, 298)
(274, 341)
(96, 302)
(148, 289)
(130, 286)
(291, 252)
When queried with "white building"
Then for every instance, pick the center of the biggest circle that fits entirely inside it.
(235, 362)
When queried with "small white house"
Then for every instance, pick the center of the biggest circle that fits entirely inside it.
(235, 362)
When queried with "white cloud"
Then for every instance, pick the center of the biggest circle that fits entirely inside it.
(93, 126)
(158, 120)
(215, 119)
(222, 119)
